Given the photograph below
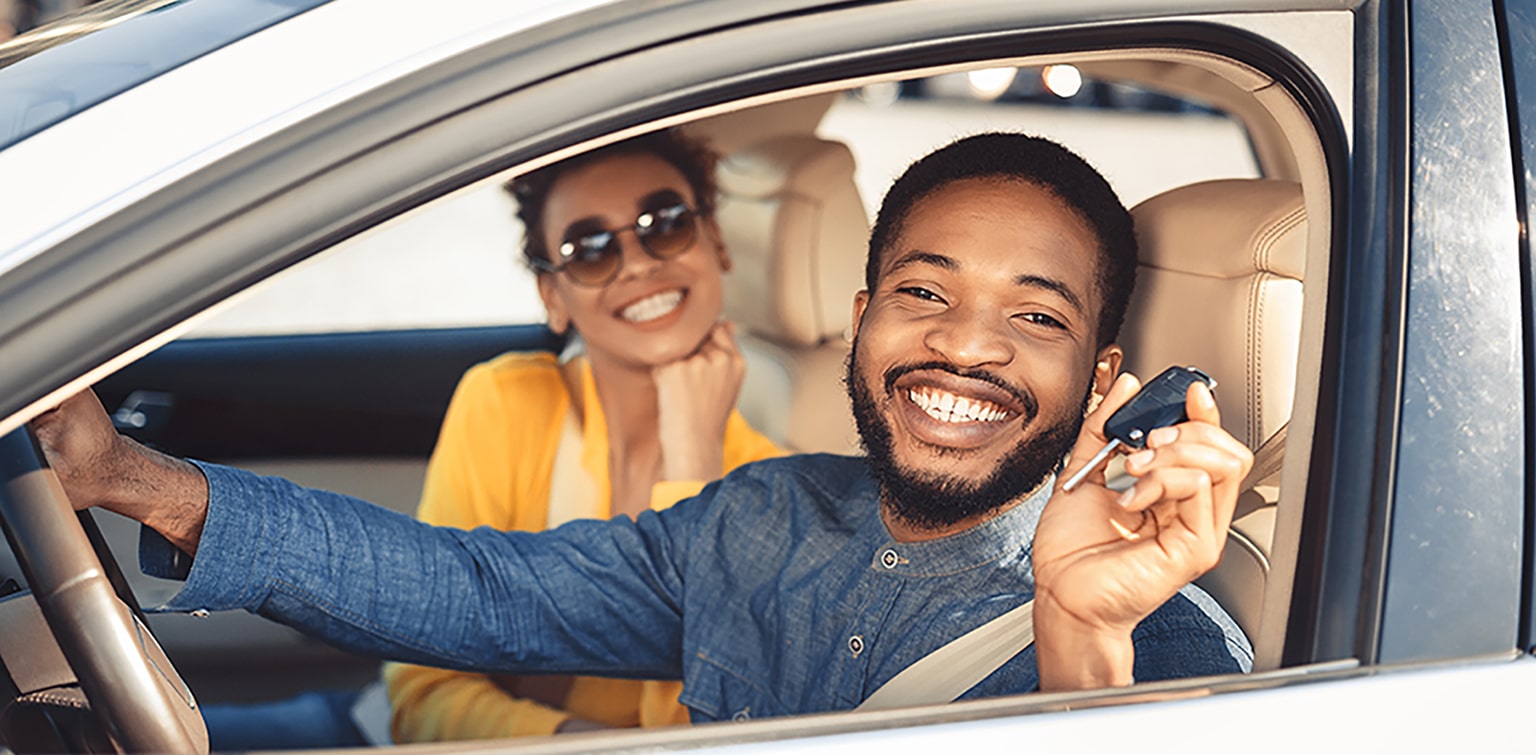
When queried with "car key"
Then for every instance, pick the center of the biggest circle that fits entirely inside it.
(1159, 403)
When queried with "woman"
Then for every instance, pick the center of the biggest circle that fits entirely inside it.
(627, 255)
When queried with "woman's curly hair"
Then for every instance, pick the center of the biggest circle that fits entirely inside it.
(691, 157)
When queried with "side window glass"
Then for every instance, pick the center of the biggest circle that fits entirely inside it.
(455, 263)
(1144, 141)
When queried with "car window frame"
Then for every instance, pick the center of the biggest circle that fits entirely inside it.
(233, 242)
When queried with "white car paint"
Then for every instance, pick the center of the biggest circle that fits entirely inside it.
(121, 150)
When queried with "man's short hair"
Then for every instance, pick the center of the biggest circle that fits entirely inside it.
(1033, 160)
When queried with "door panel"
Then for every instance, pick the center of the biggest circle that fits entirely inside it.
(356, 413)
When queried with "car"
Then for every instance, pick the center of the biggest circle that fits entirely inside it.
(270, 234)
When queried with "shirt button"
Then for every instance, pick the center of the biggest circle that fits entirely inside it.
(745, 714)
(888, 559)
(856, 644)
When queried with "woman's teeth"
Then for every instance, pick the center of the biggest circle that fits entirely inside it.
(652, 307)
(947, 407)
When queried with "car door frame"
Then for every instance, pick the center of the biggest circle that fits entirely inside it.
(215, 232)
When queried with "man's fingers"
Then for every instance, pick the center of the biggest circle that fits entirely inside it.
(1189, 527)
(1091, 438)
(1200, 405)
(1220, 463)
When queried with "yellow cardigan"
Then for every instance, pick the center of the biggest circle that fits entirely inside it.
(492, 466)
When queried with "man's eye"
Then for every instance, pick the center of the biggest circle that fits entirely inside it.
(1040, 318)
(919, 292)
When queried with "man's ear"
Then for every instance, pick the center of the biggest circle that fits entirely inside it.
(555, 311)
(1106, 367)
(860, 301)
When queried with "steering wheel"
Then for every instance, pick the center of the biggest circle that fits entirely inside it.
(131, 685)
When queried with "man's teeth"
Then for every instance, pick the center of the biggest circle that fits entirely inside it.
(947, 407)
(652, 307)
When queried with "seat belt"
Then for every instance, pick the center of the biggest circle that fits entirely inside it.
(952, 670)
(1267, 460)
(947, 673)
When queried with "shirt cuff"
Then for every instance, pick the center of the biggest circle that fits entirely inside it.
(227, 574)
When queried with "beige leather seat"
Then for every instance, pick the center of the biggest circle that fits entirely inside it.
(796, 229)
(1220, 287)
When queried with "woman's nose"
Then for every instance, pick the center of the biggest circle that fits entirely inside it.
(635, 260)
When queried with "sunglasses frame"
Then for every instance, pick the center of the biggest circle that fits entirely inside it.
(641, 230)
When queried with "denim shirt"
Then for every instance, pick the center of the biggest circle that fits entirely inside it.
(777, 590)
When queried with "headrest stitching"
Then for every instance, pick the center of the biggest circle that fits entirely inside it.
(1270, 235)
(1255, 361)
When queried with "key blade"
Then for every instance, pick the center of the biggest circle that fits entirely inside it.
(1093, 464)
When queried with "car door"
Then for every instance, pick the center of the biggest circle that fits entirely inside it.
(1399, 418)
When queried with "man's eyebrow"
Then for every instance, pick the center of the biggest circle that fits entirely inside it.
(925, 258)
(1052, 285)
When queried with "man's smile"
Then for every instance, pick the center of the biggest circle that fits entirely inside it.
(947, 407)
(940, 408)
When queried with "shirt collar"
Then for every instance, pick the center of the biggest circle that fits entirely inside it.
(1007, 535)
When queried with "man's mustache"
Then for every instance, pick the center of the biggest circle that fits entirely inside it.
(1031, 407)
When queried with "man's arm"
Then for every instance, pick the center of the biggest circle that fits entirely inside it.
(99, 467)
(591, 597)
(1104, 561)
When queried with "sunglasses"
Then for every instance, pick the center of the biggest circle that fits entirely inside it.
(594, 257)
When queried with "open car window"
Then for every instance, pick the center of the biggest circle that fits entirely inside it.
(457, 263)
(342, 316)
(335, 371)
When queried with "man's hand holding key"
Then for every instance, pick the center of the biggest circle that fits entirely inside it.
(1105, 560)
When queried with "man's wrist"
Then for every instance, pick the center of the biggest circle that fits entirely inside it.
(165, 493)
(1073, 654)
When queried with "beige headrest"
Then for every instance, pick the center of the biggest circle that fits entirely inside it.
(1180, 228)
(796, 230)
(1219, 287)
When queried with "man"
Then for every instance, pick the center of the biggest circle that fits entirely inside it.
(999, 271)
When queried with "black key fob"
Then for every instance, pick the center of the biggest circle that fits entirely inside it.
(1159, 404)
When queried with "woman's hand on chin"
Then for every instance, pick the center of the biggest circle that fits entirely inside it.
(694, 397)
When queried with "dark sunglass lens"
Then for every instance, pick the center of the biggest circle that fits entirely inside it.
(670, 233)
(592, 259)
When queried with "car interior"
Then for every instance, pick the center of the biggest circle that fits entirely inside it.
(1233, 275)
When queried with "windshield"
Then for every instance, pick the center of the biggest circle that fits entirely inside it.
(111, 48)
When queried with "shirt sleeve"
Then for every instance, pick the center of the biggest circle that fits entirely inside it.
(469, 483)
(1190, 635)
(591, 597)
(470, 476)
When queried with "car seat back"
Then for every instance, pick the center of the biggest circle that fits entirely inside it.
(1219, 286)
(796, 230)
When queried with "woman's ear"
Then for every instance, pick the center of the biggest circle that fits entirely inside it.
(712, 232)
(554, 308)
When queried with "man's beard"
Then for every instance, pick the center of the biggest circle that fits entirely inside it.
(934, 500)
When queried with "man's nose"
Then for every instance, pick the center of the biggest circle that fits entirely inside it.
(971, 336)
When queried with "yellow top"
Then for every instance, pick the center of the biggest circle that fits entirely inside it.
(492, 466)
